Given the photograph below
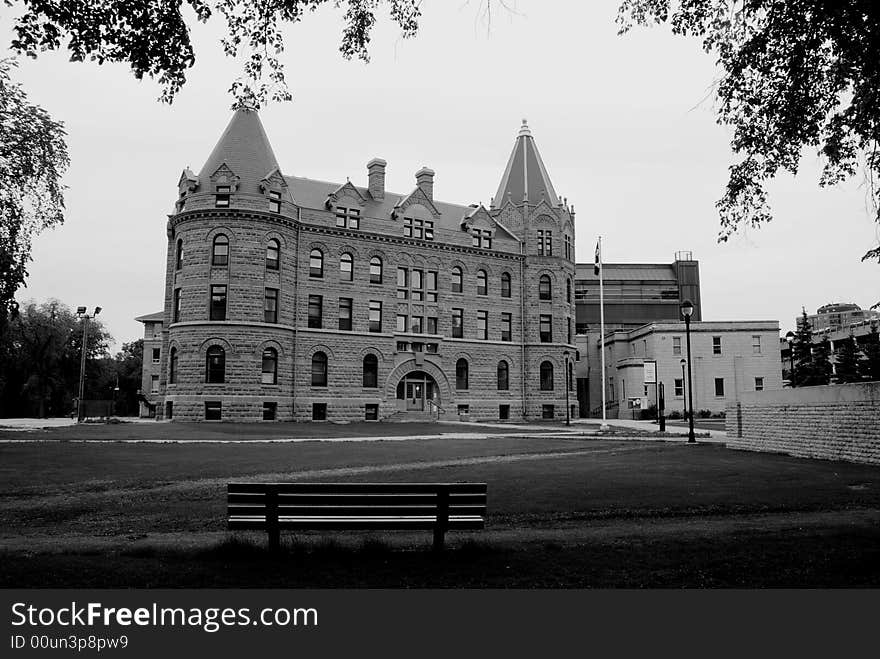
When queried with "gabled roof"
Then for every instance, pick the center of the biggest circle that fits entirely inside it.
(525, 178)
(245, 149)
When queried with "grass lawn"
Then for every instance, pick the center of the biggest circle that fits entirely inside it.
(564, 512)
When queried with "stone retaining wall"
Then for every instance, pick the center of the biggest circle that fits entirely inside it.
(834, 422)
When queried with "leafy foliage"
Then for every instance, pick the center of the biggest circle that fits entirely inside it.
(796, 74)
(847, 361)
(152, 36)
(869, 367)
(33, 158)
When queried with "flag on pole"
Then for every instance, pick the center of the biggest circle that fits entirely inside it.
(598, 261)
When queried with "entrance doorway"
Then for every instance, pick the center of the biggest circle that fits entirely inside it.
(416, 389)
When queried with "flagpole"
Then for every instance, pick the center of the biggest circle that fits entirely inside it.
(602, 329)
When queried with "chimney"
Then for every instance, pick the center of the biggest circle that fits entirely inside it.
(425, 181)
(376, 176)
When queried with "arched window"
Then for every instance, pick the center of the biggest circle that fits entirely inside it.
(220, 253)
(215, 365)
(319, 369)
(270, 366)
(568, 290)
(461, 374)
(346, 267)
(503, 376)
(482, 285)
(172, 366)
(316, 263)
(546, 376)
(273, 254)
(375, 270)
(178, 259)
(371, 371)
(456, 279)
(545, 291)
(505, 284)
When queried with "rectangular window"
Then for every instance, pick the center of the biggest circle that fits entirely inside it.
(506, 322)
(540, 242)
(348, 217)
(719, 386)
(221, 199)
(429, 230)
(415, 228)
(371, 412)
(218, 302)
(679, 387)
(375, 316)
(431, 347)
(716, 345)
(483, 325)
(154, 384)
(316, 304)
(156, 353)
(345, 313)
(213, 410)
(568, 321)
(548, 243)
(175, 313)
(402, 346)
(417, 285)
(270, 309)
(402, 322)
(464, 409)
(270, 410)
(431, 325)
(169, 410)
(340, 217)
(417, 324)
(759, 384)
(457, 323)
(274, 202)
(402, 283)
(756, 344)
(431, 285)
(548, 411)
(481, 238)
(546, 328)
(504, 412)
(676, 345)
(319, 411)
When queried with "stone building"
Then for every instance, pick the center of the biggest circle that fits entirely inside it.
(151, 361)
(288, 298)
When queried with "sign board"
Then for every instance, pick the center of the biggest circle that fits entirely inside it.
(650, 372)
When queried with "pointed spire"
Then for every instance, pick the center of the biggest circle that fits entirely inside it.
(245, 149)
(525, 177)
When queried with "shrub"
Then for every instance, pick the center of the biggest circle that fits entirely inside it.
(675, 414)
(704, 414)
(649, 413)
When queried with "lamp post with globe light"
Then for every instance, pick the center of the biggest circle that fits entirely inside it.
(687, 309)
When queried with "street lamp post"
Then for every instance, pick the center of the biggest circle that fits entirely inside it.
(790, 338)
(684, 386)
(81, 313)
(687, 308)
(567, 406)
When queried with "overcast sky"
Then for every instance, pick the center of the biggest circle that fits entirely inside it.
(625, 126)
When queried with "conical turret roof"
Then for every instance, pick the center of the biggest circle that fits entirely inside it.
(525, 178)
(245, 149)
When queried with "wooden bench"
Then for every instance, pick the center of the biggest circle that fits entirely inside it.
(273, 507)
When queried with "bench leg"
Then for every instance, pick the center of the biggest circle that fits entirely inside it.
(439, 534)
(274, 540)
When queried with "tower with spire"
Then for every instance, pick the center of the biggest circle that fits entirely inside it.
(290, 298)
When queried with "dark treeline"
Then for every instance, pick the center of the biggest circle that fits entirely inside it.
(40, 353)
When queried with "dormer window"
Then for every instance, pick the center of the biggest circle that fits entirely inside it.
(274, 202)
(221, 199)
(415, 228)
(348, 218)
(481, 238)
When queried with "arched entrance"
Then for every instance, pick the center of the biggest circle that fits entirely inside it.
(415, 389)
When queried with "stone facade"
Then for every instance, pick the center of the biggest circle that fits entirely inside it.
(834, 422)
(418, 262)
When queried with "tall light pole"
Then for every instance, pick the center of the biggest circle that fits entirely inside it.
(790, 338)
(81, 313)
(567, 406)
(687, 308)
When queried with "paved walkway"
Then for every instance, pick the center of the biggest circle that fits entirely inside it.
(674, 432)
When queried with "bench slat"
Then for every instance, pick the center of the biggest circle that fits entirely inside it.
(357, 523)
(357, 488)
(365, 511)
(430, 499)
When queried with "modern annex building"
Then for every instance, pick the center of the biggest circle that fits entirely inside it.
(288, 298)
